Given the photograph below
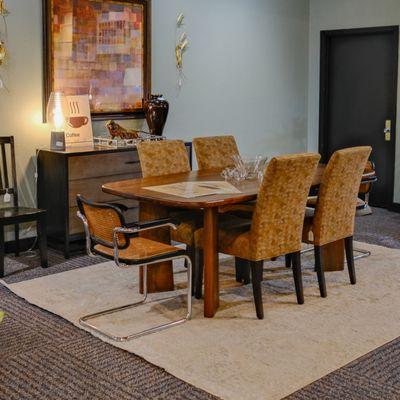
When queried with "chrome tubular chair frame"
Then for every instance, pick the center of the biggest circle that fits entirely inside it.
(83, 320)
(363, 253)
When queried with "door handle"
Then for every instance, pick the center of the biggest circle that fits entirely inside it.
(388, 130)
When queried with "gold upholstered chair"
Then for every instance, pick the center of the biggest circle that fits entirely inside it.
(166, 158)
(108, 235)
(334, 214)
(277, 221)
(215, 152)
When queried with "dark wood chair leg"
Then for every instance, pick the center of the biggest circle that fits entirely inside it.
(348, 243)
(256, 278)
(16, 231)
(320, 271)
(297, 276)
(42, 240)
(246, 272)
(198, 274)
(239, 269)
(2, 251)
(288, 261)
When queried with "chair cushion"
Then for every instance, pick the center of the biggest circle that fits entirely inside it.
(233, 237)
(139, 249)
(184, 232)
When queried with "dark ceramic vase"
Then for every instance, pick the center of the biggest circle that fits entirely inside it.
(156, 109)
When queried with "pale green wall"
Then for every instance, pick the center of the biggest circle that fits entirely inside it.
(338, 14)
(246, 71)
(246, 74)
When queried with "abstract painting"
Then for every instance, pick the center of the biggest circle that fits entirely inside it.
(99, 48)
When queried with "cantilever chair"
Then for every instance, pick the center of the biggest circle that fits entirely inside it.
(277, 222)
(334, 214)
(108, 235)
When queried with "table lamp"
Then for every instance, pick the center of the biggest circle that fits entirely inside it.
(57, 114)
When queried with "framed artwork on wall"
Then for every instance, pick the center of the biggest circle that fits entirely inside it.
(100, 48)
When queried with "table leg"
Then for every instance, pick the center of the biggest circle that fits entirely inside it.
(333, 256)
(211, 283)
(159, 276)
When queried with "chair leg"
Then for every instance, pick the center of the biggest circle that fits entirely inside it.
(239, 269)
(16, 231)
(246, 272)
(42, 240)
(288, 261)
(297, 276)
(348, 243)
(198, 273)
(320, 271)
(2, 251)
(256, 278)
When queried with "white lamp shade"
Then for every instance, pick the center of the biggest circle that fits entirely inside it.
(57, 111)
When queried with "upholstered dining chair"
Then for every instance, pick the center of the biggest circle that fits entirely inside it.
(277, 222)
(215, 152)
(108, 235)
(166, 158)
(335, 209)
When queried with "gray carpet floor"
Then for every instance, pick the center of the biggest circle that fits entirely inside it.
(43, 356)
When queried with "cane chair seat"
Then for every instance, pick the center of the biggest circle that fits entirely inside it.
(139, 249)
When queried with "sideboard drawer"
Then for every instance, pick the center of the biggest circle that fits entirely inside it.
(91, 188)
(108, 164)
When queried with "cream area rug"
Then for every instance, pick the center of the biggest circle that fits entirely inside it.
(234, 355)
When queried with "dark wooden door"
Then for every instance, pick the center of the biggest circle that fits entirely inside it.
(358, 98)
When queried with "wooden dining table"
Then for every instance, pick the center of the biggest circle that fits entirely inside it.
(333, 255)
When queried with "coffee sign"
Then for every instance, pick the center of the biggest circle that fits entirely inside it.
(78, 131)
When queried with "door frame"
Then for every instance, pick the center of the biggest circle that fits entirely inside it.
(326, 37)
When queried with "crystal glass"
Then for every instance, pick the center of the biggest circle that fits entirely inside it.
(249, 167)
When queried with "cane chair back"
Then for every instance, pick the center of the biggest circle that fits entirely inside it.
(337, 198)
(278, 217)
(101, 220)
(163, 158)
(215, 152)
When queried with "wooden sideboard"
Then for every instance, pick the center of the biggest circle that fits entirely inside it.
(64, 174)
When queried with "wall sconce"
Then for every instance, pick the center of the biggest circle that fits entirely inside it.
(57, 114)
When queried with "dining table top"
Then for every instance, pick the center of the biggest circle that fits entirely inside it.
(137, 189)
